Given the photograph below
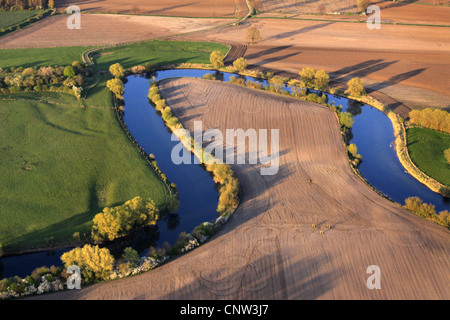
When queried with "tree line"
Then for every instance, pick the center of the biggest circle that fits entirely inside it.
(434, 119)
(68, 79)
(26, 4)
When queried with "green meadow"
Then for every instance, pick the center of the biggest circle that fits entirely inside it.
(62, 161)
(426, 148)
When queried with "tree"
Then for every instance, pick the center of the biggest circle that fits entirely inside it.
(321, 79)
(362, 5)
(131, 256)
(116, 87)
(115, 222)
(346, 119)
(276, 84)
(253, 35)
(447, 155)
(95, 263)
(355, 87)
(69, 72)
(117, 71)
(240, 64)
(216, 59)
(353, 150)
(307, 75)
(434, 119)
(51, 4)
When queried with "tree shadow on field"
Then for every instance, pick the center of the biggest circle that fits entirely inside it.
(173, 7)
(399, 78)
(267, 52)
(276, 59)
(298, 31)
(361, 69)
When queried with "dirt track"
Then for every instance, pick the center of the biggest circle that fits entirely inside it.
(408, 63)
(197, 8)
(268, 249)
(102, 29)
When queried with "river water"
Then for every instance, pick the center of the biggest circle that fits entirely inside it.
(372, 131)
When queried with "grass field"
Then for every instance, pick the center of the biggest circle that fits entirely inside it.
(60, 164)
(41, 56)
(158, 52)
(14, 18)
(426, 149)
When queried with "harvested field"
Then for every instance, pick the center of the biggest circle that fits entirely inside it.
(269, 249)
(416, 13)
(198, 8)
(305, 6)
(102, 29)
(409, 63)
(345, 10)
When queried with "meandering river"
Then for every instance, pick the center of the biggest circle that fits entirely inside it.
(372, 133)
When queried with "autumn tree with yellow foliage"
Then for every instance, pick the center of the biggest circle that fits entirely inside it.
(115, 222)
(434, 119)
(94, 262)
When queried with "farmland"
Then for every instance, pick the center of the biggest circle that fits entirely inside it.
(201, 8)
(91, 156)
(308, 232)
(269, 249)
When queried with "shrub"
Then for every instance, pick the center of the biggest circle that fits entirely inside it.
(416, 205)
(69, 72)
(209, 76)
(362, 5)
(206, 229)
(321, 79)
(116, 87)
(312, 97)
(276, 84)
(353, 150)
(95, 263)
(355, 87)
(307, 75)
(240, 64)
(447, 155)
(117, 71)
(434, 119)
(138, 69)
(346, 119)
(160, 105)
(216, 59)
(115, 222)
(131, 256)
(253, 35)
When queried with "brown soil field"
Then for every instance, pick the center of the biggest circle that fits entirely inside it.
(305, 6)
(392, 12)
(405, 12)
(409, 63)
(195, 8)
(269, 249)
(102, 29)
